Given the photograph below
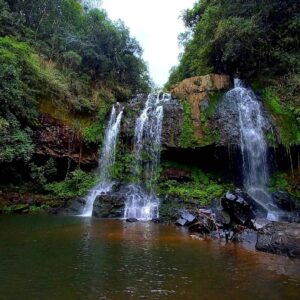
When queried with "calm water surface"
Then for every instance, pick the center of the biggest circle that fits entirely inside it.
(75, 258)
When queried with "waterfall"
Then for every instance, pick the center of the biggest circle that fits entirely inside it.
(143, 204)
(106, 161)
(253, 146)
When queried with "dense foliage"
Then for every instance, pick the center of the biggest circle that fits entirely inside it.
(67, 59)
(85, 41)
(235, 36)
(67, 54)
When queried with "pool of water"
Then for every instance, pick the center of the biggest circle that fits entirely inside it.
(44, 257)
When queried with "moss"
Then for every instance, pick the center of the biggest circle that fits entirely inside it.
(201, 189)
(76, 184)
(210, 134)
(187, 138)
(280, 181)
(286, 120)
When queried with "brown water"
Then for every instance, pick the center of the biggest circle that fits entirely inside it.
(75, 258)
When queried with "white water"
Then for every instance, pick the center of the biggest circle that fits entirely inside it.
(106, 161)
(253, 146)
(141, 204)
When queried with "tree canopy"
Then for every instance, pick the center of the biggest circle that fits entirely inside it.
(250, 37)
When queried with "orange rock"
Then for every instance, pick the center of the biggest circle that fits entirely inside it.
(195, 90)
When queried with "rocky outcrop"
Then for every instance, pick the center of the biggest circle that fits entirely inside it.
(239, 206)
(172, 123)
(196, 91)
(111, 204)
(176, 174)
(56, 139)
(285, 201)
(280, 238)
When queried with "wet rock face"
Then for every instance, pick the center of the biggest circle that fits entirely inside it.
(280, 238)
(196, 91)
(172, 123)
(55, 139)
(227, 120)
(284, 201)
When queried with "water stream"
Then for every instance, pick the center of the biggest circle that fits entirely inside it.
(141, 202)
(253, 146)
(106, 161)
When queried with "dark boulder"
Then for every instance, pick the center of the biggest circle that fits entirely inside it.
(76, 206)
(280, 238)
(239, 206)
(112, 203)
(132, 220)
(109, 206)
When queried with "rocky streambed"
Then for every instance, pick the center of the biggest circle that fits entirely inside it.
(235, 217)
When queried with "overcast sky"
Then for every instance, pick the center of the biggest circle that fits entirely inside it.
(156, 25)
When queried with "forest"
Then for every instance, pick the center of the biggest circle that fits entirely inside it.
(114, 188)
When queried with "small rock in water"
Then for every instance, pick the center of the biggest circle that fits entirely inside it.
(181, 222)
(187, 216)
(259, 223)
(156, 220)
(132, 220)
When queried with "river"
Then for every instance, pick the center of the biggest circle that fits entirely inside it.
(47, 257)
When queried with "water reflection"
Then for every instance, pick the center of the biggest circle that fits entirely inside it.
(75, 258)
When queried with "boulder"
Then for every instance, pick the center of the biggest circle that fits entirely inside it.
(132, 220)
(239, 206)
(76, 206)
(280, 238)
(112, 203)
(109, 205)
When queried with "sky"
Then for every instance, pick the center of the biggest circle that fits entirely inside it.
(156, 25)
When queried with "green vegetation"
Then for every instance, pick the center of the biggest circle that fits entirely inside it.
(65, 54)
(201, 189)
(284, 182)
(187, 139)
(236, 36)
(210, 135)
(287, 122)
(76, 184)
(66, 59)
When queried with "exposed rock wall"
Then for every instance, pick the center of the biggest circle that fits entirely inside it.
(54, 138)
(196, 91)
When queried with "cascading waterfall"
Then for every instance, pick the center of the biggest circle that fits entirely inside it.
(143, 204)
(106, 161)
(253, 146)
